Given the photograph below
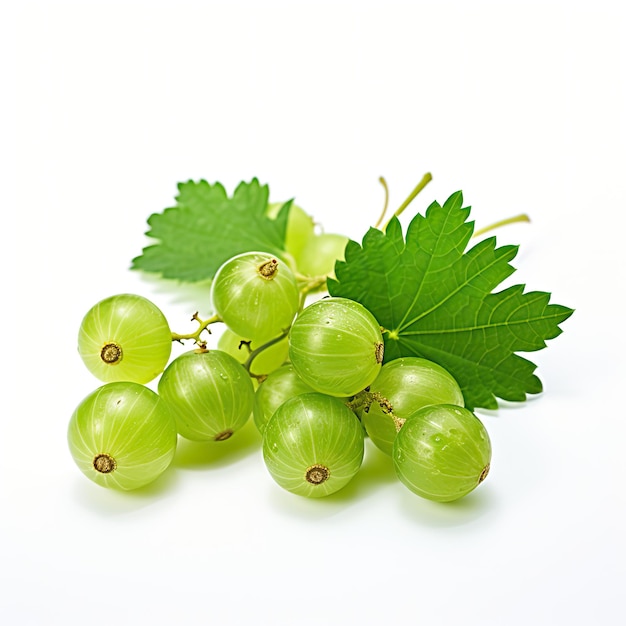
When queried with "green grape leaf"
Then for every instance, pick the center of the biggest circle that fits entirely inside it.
(435, 300)
(206, 228)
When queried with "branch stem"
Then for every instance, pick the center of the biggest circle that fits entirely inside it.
(383, 182)
(307, 284)
(509, 220)
(202, 326)
(254, 353)
(425, 180)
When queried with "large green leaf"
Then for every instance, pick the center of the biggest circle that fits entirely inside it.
(206, 228)
(434, 300)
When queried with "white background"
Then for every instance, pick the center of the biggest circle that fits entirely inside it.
(106, 106)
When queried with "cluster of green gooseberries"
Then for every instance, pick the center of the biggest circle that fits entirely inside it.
(312, 377)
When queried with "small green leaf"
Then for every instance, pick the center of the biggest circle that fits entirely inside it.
(435, 300)
(206, 228)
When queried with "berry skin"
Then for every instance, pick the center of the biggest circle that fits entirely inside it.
(336, 346)
(122, 435)
(210, 394)
(313, 445)
(256, 295)
(125, 338)
(281, 385)
(442, 452)
(403, 386)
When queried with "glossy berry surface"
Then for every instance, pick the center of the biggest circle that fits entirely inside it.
(313, 445)
(210, 394)
(281, 385)
(256, 295)
(336, 346)
(404, 386)
(442, 452)
(122, 435)
(125, 338)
